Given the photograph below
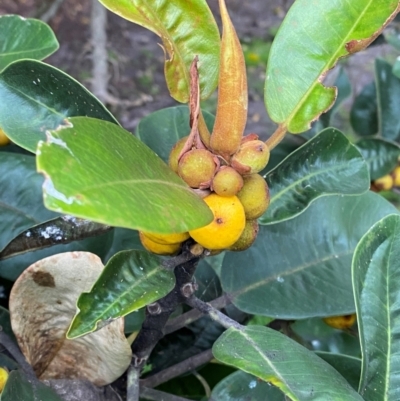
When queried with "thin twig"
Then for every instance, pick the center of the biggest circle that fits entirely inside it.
(178, 369)
(195, 250)
(156, 395)
(133, 390)
(193, 315)
(214, 314)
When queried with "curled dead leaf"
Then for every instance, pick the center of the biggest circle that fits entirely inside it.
(42, 305)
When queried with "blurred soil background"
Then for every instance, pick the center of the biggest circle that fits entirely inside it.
(135, 59)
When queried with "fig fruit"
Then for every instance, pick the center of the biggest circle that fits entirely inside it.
(227, 182)
(254, 196)
(247, 238)
(251, 157)
(384, 183)
(197, 168)
(227, 226)
(175, 152)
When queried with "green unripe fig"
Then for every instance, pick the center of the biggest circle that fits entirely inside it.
(227, 182)
(197, 168)
(251, 157)
(254, 196)
(247, 238)
(174, 154)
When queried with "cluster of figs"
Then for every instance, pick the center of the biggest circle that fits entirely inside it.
(222, 167)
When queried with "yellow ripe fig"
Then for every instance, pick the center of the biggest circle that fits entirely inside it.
(227, 182)
(227, 226)
(254, 196)
(3, 378)
(341, 322)
(396, 176)
(384, 183)
(247, 238)
(174, 154)
(251, 157)
(155, 247)
(4, 140)
(167, 239)
(231, 116)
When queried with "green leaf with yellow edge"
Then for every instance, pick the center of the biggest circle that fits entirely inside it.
(271, 356)
(376, 282)
(96, 170)
(129, 281)
(313, 36)
(24, 38)
(36, 97)
(187, 29)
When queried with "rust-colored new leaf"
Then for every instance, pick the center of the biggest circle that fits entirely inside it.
(231, 115)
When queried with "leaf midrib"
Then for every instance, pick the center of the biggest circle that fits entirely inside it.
(100, 316)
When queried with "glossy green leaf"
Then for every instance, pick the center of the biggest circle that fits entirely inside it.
(308, 44)
(376, 280)
(24, 38)
(241, 386)
(134, 320)
(19, 387)
(36, 97)
(364, 112)
(163, 128)
(130, 281)
(381, 155)
(314, 278)
(21, 207)
(327, 164)
(120, 182)
(185, 343)
(269, 355)
(348, 366)
(388, 93)
(187, 29)
(209, 286)
(320, 337)
(124, 239)
(61, 230)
